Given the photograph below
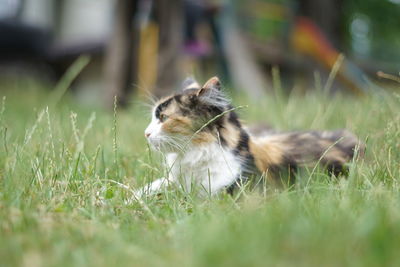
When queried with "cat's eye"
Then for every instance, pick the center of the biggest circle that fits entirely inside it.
(163, 117)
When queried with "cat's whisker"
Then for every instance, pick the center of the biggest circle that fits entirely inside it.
(150, 98)
(175, 142)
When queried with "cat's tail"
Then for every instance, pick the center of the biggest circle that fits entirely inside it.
(332, 149)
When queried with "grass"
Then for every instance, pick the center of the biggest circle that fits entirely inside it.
(66, 172)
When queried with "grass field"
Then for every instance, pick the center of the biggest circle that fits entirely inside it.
(66, 172)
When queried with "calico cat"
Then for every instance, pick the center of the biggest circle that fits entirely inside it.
(206, 144)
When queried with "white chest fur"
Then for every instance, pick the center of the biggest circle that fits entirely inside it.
(210, 167)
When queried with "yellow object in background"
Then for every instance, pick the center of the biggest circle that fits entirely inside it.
(148, 59)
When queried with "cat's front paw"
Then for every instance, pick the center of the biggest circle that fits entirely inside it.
(151, 189)
(136, 196)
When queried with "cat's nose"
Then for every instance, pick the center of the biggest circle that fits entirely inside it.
(146, 134)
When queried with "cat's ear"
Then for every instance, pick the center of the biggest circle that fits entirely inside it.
(190, 83)
(212, 84)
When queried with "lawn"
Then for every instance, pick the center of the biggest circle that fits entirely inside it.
(67, 171)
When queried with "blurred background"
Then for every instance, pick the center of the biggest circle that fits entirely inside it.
(126, 48)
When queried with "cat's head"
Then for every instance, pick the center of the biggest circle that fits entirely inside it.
(187, 117)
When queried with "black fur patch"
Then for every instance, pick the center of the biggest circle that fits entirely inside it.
(162, 106)
(243, 143)
(285, 171)
(184, 111)
(234, 119)
(242, 150)
(240, 180)
(336, 168)
(178, 99)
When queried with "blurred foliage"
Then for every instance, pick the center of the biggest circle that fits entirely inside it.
(383, 19)
(379, 22)
(265, 20)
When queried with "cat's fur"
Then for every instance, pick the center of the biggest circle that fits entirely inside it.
(206, 144)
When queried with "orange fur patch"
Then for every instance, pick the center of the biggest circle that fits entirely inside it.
(203, 138)
(231, 135)
(178, 125)
(266, 154)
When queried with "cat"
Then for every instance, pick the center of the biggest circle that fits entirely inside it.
(207, 146)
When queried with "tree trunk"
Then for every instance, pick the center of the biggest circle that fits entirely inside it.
(169, 14)
(121, 54)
